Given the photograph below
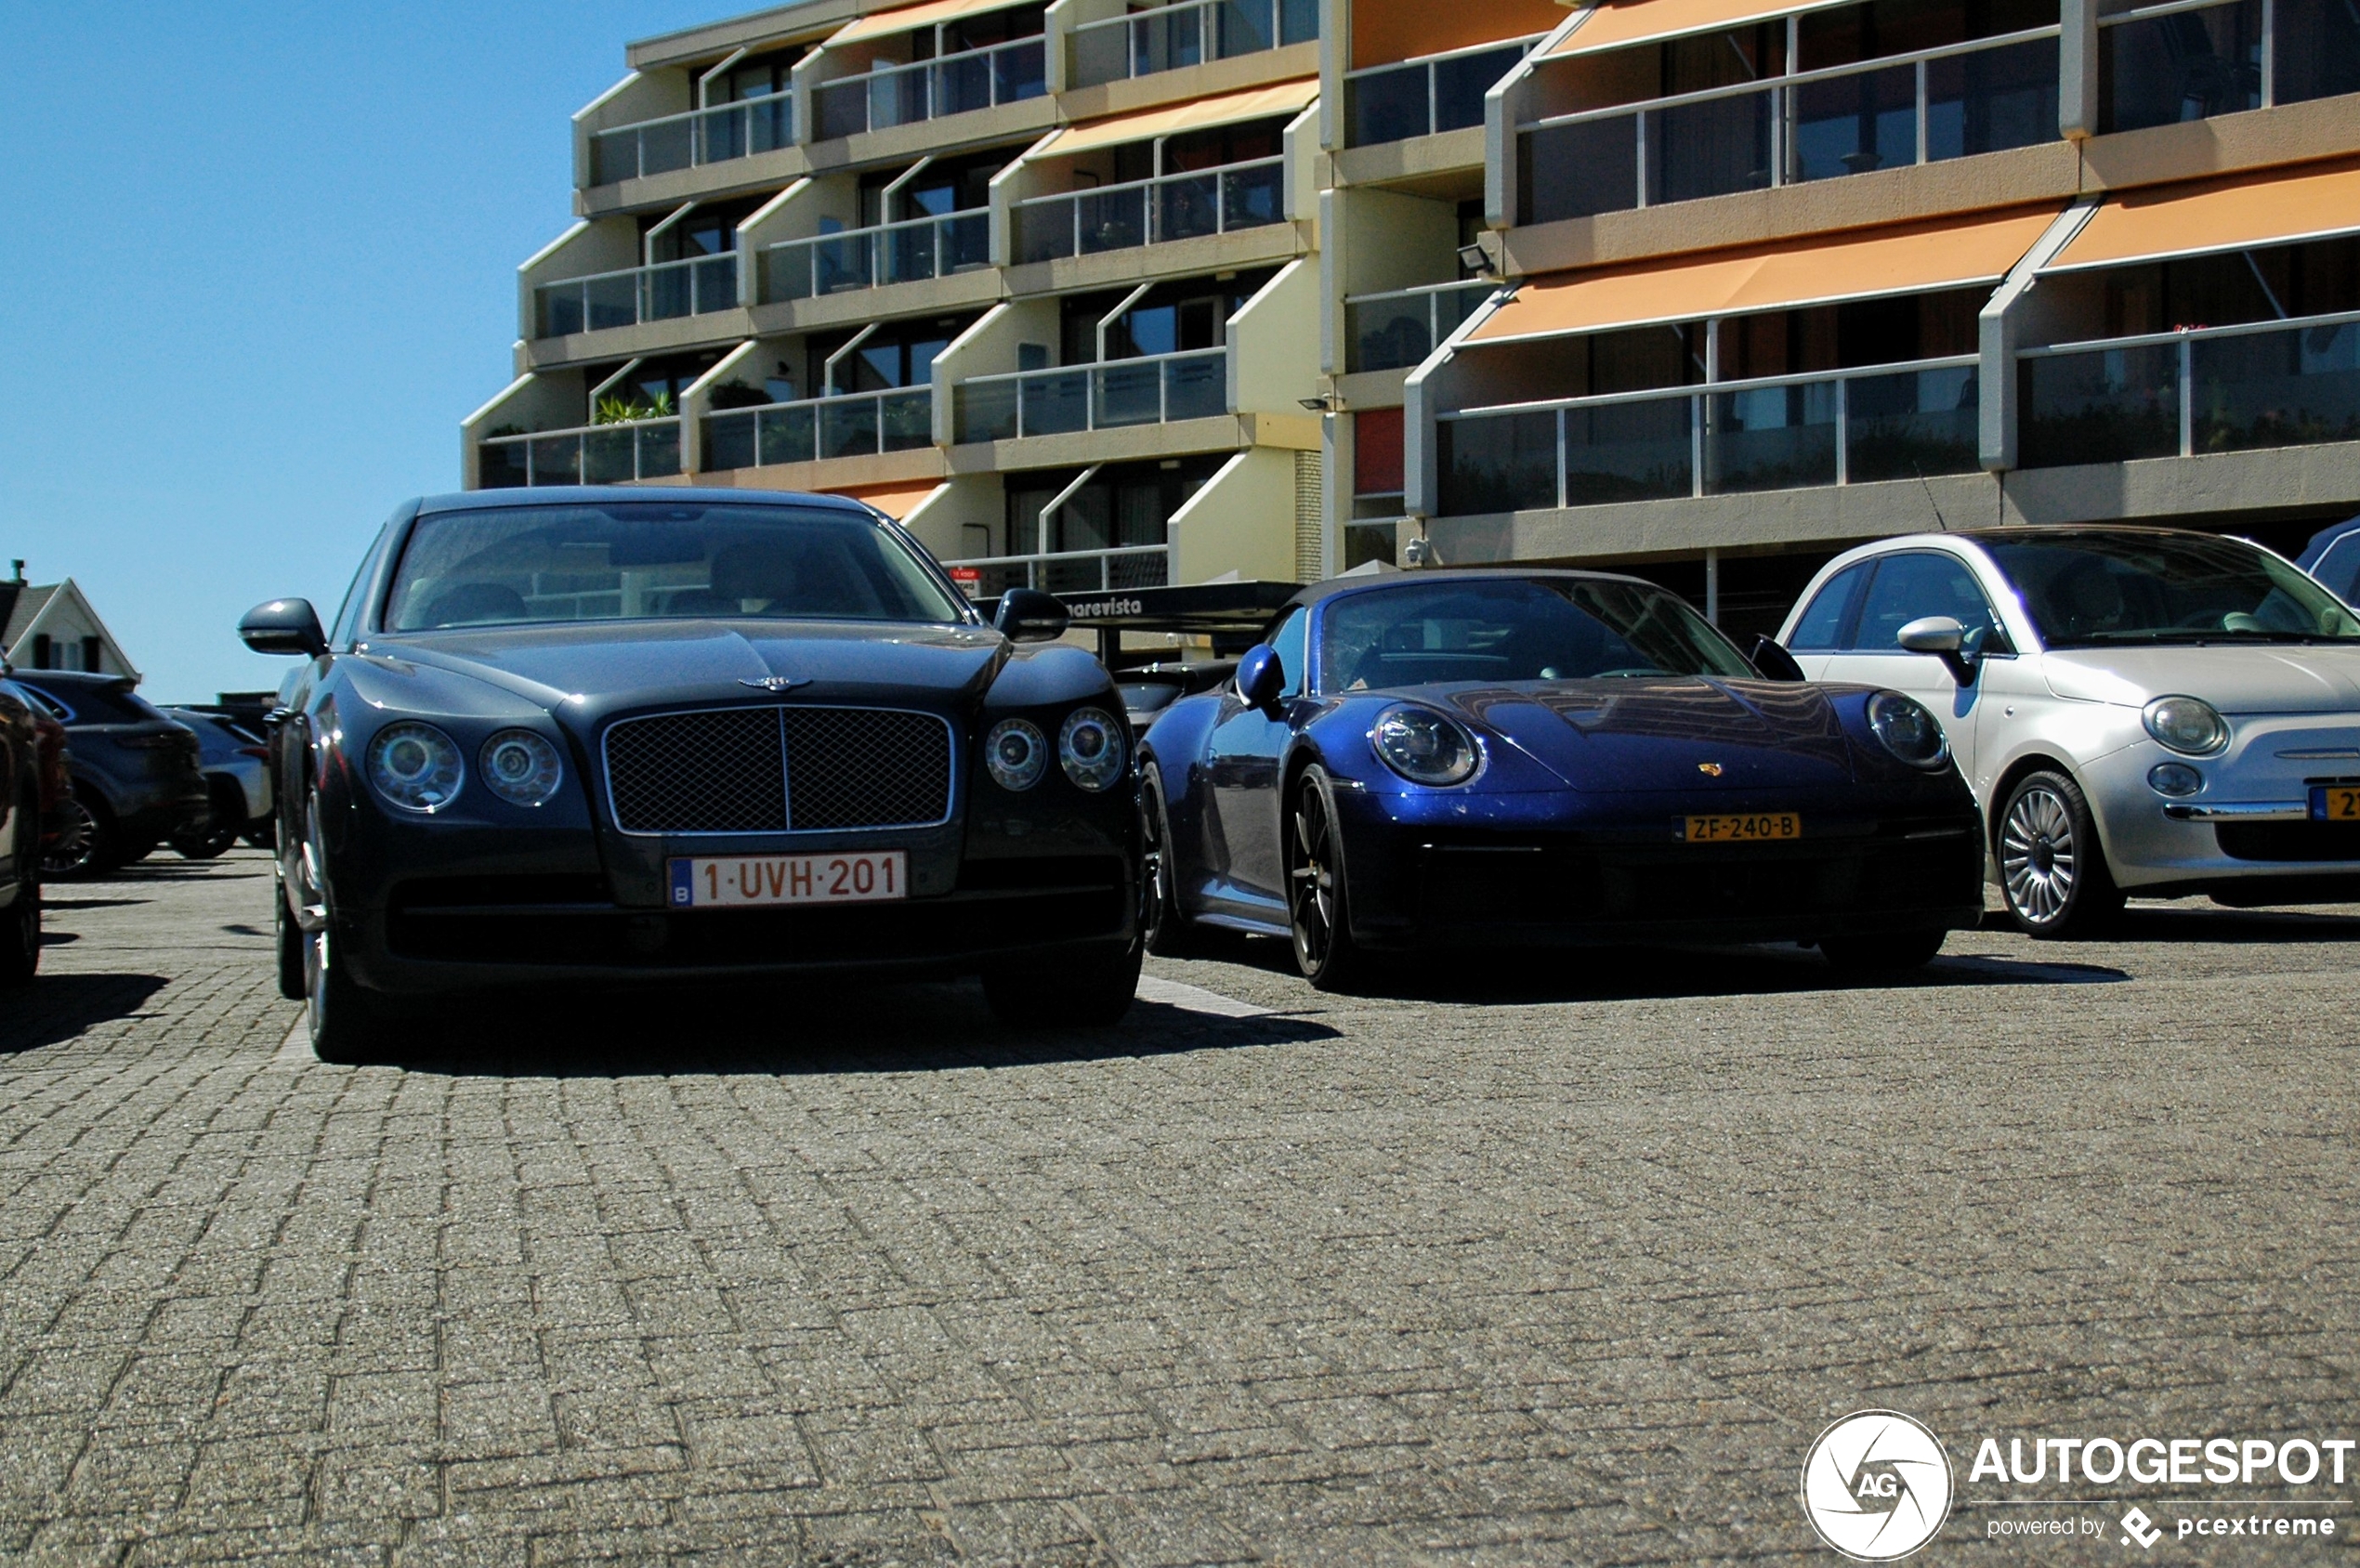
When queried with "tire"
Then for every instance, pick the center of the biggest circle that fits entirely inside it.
(81, 847)
(20, 922)
(347, 1023)
(1163, 926)
(1092, 995)
(1318, 910)
(2052, 871)
(261, 833)
(1895, 954)
(206, 842)
(290, 938)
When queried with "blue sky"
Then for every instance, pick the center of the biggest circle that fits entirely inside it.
(261, 261)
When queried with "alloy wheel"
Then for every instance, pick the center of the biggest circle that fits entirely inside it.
(2040, 861)
(75, 848)
(1312, 880)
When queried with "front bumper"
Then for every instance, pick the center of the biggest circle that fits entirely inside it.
(2248, 836)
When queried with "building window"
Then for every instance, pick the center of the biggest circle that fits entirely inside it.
(41, 652)
(90, 654)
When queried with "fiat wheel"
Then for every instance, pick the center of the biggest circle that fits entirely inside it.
(2051, 870)
(1315, 894)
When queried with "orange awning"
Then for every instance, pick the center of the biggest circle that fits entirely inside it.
(2218, 215)
(1857, 266)
(895, 500)
(1224, 108)
(1384, 31)
(1613, 26)
(908, 19)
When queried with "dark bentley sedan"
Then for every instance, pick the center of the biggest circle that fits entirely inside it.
(603, 735)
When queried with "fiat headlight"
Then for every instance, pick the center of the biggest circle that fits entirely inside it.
(415, 766)
(1425, 748)
(2189, 726)
(1016, 754)
(1907, 730)
(1090, 749)
(521, 767)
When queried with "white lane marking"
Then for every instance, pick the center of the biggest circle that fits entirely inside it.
(1194, 998)
(296, 1050)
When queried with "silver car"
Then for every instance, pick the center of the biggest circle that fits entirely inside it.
(2141, 710)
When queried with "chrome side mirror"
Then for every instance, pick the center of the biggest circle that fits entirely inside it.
(1946, 639)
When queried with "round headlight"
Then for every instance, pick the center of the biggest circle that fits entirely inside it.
(521, 767)
(1425, 748)
(1090, 749)
(2175, 780)
(1907, 730)
(1016, 754)
(415, 766)
(2189, 726)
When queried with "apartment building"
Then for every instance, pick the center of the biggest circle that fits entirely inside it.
(1103, 295)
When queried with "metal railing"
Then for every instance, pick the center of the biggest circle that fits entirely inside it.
(1187, 33)
(849, 424)
(1426, 96)
(661, 292)
(1400, 327)
(2209, 389)
(909, 251)
(1154, 389)
(1923, 107)
(1786, 432)
(690, 140)
(1149, 212)
(593, 454)
(931, 89)
(1069, 572)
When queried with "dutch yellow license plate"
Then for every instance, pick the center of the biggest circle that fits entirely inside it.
(1760, 827)
(2337, 803)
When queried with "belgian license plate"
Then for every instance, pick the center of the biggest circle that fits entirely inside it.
(2336, 802)
(1756, 829)
(760, 882)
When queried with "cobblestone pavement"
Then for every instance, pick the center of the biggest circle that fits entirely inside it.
(1565, 1266)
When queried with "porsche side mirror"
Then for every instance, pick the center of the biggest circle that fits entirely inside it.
(283, 626)
(1260, 676)
(1027, 615)
(1946, 639)
(1775, 662)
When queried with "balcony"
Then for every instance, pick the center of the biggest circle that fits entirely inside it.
(934, 89)
(2214, 389)
(1889, 422)
(914, 251)
(1150, 211)
(597, 454)
(1154, 389)
(1426, 96)
(1072, 572)
(665, 291)
(1985, 95)
(691, 141)
(1190, 33)
(854, 424)
(1397, 328)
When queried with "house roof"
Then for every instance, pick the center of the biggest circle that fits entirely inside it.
(30, 603)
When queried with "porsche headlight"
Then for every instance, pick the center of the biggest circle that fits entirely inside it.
(1016, 754)
(414, 766)
(1090, 748)
(2189, 726)
(1425, 748)
(521, 767)
(1908, 730)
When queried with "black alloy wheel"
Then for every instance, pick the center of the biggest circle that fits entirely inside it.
(79, 848)
(1317, 906)
(1163, 925)
(1892, 953)
(2051, 870)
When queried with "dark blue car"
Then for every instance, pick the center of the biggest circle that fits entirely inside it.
(1484, 759)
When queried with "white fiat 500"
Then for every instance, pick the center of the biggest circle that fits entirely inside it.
(2142, 712)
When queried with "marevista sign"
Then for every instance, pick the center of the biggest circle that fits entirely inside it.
(1877, 1485)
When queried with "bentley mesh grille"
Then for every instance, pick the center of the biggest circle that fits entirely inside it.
(769, 770)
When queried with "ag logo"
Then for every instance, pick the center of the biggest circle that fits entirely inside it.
(1877, 1485)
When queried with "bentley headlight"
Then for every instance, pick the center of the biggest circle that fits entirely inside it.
(1425, 748)
(415, 766)
(2189, 726)
(1016, 754)
(521, 767)
(1907, 730)
(1090, 748)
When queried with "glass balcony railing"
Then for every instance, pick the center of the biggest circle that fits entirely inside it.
(1428, 95)
(1896, 422)
(595, 454)
(1156, 389)
(1070, 571)
(685, 141)
(853, 424)
(1393, 331)
(868, 258)
(932, 89)
(1926, 108)
(2215, 390)
(1149, 212)
(1187, 33)
(662, 292)
(2163, 64)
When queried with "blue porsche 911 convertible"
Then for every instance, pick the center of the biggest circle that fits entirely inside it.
(1496, 758)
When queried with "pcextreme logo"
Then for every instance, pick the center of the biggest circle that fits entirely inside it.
(1875, 1486)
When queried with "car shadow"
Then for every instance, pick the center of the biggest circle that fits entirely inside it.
(50, 901)
(2213, 924)
(60, 1007)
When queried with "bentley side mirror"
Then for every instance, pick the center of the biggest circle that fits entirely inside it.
(1260, 676)
(283, 626)
(1775, 662)
(1027, 615)
(1947, 640)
